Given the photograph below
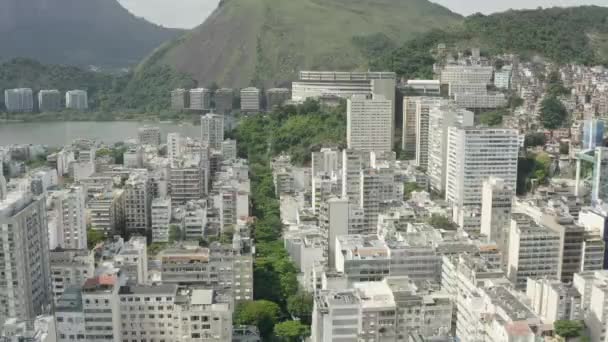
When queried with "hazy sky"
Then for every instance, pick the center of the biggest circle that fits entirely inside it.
(190, 13)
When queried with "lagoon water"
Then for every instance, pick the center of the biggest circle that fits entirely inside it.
(62, 133)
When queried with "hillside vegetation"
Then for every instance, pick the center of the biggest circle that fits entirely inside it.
(266, 42)
(77, 32)
(563, 35)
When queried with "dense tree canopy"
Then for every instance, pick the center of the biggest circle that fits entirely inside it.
(553, 114)
(291, 331)
(568, 329)
(262, 313)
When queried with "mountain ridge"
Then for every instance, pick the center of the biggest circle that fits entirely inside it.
(92, 32)
(265, 43)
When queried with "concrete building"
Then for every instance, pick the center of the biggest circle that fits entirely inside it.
(353, 162)
(440, 119)
(229, 150)
(327, 161)
(146, 312)
(339, 217)
(468, 88)
(276, 97)
(133, 158)
(362, 258)
(161, 219)
(496, 208)
(19, 100)
(572, 238)
(180, 99)
(175, 146)
(101, 307)
(76, 99)
(138, 199)
(480, 101)
(132, 260)
(107, 211)
(502, 78)
(187, 181)
(25, 278)
(422, 88)
(534, 251)
(200, 99)
(212, 131)
(369, 124)
(70, 268)
(202, 315)
(593, 287)
(49, 100)
(473, 155)
(466, 74)
(68, 209)
(224, 100)
(195, 219)
(250, 100)
(149, 135)
(69, 316)
(553, 300)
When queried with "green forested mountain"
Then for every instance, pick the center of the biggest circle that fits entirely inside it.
(266, 42)
(576, 34)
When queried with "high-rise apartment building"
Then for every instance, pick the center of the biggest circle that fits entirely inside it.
(496, 208)
(49, 100)
(25, 278)
(161, 219)
(149, 136)
(68, 209)
(180, 99)
(107, 211)
(137, 203)
(187, 181)
(19, 100)
(440, 119)
(467, 74)
(224, 101)
(250, 100)
(369, 124)
(229, 150)
(175, 146)
(353, 161)
(473, 155)
(200, 99)
(76, 99)
(212, 131)
(276, 97)
(70, 268)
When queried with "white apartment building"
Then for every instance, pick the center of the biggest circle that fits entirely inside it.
(19, 100)
(553, 300)
(149, 136)
(202, 315)
(137, 203)
(326, 161)
(440, 119)
(69, 316)
(502, 78)
(195, 219)
(468, 88)
(68, 208)
(480, 101)
(362, 258)
(101, 307)
(187, 181)
(212, 131)
(353, 162)
(593, 287)
(49, 100)
(369, 124)
(496, 208)
(175, 146)
(25, 278)
(161, 219)
(132, 260)
(534, 251)
(250, 100)
(180, 99)
(324, 188)
(466, 74)
(200, 99)
(229, 150)
(76, 99)
(70, 268)
(107, 211)
(133, 158)
(147, 312)
(338, 217)
(473, 155)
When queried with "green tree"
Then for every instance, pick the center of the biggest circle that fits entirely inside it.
(535, 139)
(555, 86)
(568, 329)
(263, 314)
(441, 222)
(94, 236)
(300, 305)
(291, 331)
(492, 118)
(410, 187)
(553, 114)
(175, 233)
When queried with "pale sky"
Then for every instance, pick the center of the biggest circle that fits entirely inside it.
(190, 13)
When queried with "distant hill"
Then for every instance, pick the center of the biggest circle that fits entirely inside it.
(562, 35)
(77, 32)
(266, 42)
